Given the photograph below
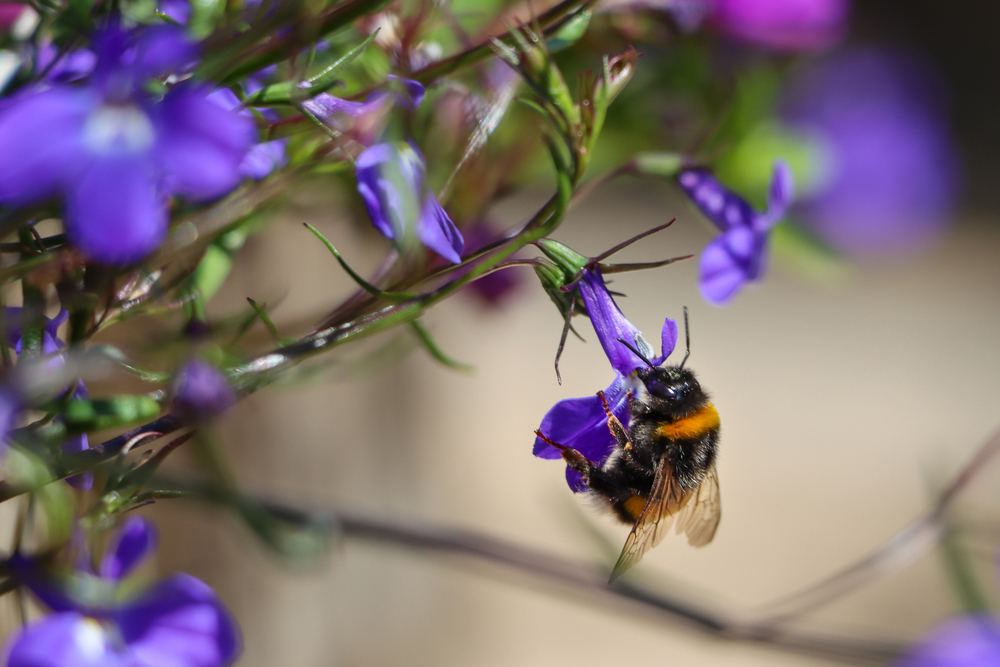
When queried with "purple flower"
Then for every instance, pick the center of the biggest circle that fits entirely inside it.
(781, 25)
(890, 170)
(966, 641)
(201, 391)
(263, 158)
(114, 151)
(364, 119)
(581, 423)
(178, 622)
(739, 254)
(50, 345)
(392, 181)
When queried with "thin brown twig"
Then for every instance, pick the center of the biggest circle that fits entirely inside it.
(903, 549)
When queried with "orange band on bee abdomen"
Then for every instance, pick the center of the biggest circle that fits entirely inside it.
(634, 506)
(692, 426)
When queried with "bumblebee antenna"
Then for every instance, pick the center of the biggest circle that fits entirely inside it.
(687, 338)
(636, 352)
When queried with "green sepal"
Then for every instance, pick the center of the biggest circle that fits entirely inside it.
(571, 31)
(83, 414)
(269, 323)
(568, 260)
(292, 92)
(663, 164)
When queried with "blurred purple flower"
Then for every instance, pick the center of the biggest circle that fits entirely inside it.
(581, 423)
(201, 391)
(776, 25)
(392, 181)
(263, 158)
(178, 10)
(966, 641)
(178, 622)
(50, 344)
(116, 152)
(364, 119)
(739, 254)
(891, 171)
(781, 25)
(495, 288)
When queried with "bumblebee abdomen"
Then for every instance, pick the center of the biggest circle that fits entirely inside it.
(696, 425)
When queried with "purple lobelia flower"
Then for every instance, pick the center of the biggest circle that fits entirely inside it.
(97, 623)
(115, 151)
(201, 391)
(965, 641)
(781, 25)
(392, 181)
(50, 344)
(581, 423)
(889, 170)
(739, 254)
(364, 120)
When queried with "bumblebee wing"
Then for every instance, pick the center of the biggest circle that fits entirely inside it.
(664, 501)
(699, 517)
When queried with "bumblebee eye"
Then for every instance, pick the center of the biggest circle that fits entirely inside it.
(668, 392)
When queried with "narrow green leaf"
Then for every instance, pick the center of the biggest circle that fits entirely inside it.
(391, 297)
(424, 336)
(266, 319)
(290, 92)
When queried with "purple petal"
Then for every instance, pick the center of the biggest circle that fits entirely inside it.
(178, 10)
(200, 144)
(66, 638)
(721, 275)
(331, 109)
(390, 183)
(201, 391)
(79, 443)
(41, 143)
(968, 641)
(179, 623)
(782, 25)
(722, 207)
(779, 196)
(668, 340)
(263, 159)
(9, 407)
(437, 232)
(165, 48)
(135, 540)
(582, 424)
(414, 91)
(610, 324)
(114, 212)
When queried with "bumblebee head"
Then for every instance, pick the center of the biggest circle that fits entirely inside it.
(671, 388)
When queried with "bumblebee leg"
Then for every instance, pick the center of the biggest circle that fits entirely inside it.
(615, 426)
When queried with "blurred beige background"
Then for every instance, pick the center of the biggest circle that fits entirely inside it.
(842, 407)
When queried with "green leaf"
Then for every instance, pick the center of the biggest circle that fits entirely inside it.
(391, 297)
(571, 31)
(424, 336)
(83, 415)
(291, 92)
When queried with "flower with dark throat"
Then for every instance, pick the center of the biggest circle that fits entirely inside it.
(739, 254)
(98, 620)
(116, 151)
(581, 423)
(392, 181)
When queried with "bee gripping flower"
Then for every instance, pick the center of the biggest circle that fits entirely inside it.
(581, 423)
(739, 254)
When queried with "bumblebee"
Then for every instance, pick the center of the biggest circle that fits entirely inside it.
(662, 471)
